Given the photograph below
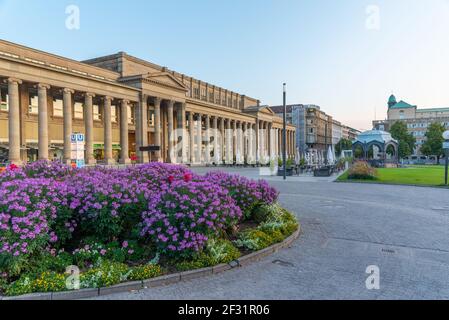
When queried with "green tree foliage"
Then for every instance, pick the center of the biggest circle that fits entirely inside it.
(433, 146)
(406, 141)
(343, 144)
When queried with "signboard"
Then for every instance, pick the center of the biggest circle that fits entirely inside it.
(77, 154)
(446, 145)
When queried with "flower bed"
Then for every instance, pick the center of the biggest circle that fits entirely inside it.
(64, 228)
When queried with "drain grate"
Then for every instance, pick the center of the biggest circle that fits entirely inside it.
(388, 251)
(283, 263)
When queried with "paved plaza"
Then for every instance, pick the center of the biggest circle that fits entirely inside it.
(345, 228)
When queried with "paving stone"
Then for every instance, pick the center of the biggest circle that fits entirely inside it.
(75, 294)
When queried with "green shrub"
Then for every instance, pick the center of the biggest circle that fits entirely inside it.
(145, 272)
(46, 282)
(105, 275)
(216, 251)
(274, 219)
(362, 171)
(276, 224)
(47, 262)
(254, 240)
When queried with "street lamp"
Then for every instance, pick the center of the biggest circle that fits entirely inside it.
(284, 134)
(446, 153)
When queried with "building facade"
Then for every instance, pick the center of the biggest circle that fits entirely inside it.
(315, 130)
(122, 103)
(417, 120)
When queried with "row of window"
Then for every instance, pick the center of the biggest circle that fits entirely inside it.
(425, 125)
(225, 101)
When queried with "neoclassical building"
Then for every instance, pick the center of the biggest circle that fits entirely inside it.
(121, 103)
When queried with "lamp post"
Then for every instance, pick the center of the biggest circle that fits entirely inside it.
(446, 153)
(284, 134)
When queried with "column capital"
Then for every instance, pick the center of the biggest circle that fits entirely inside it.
(43, 86)
(13, 81)
(157, 100)
(107, 98)
(68, 90)
(170, 103)
(124, 101)
(89, 95)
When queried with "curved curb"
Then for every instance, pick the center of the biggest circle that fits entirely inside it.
(162, 280)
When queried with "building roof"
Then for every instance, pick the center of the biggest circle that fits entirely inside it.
(402, 105)
(375, 135)
(392, 99)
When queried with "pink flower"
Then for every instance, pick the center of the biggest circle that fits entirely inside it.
(188, 177)
(125, 244)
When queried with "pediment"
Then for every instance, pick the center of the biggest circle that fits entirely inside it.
(259, 109)
(266, 110)
(167, 79)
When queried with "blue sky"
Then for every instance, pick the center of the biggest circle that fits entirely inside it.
(321, 48)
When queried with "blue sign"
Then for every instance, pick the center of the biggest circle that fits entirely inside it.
(77, 137)
(446, 145)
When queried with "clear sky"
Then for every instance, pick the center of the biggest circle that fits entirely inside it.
(343, 55)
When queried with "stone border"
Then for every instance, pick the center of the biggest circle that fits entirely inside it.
(162, 280)
(377, 183)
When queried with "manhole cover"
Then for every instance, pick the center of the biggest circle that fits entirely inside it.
(283, 263)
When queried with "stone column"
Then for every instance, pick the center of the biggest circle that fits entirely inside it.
(171, 134)
(276, 142)
(199, 138)
(207, 152)
(182, 127)
(270, 141)
(192, 138)
(223, 140)
(238, 142)
(14, 121)
(124, 133)
(257, 141)
(264, 137)
(107, 130)
(142, 128)
(157, 126)
(216, 135)
(42, 121)
(234, 140)
(67, 106)
(89, 128)
(229, 138)
(249, 151)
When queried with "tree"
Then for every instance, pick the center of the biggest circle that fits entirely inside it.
(343, 144)
(433, 146)
(406, 141)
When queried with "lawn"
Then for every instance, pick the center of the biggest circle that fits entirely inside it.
(413, 175)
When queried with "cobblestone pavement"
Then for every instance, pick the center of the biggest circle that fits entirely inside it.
(345, 228)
